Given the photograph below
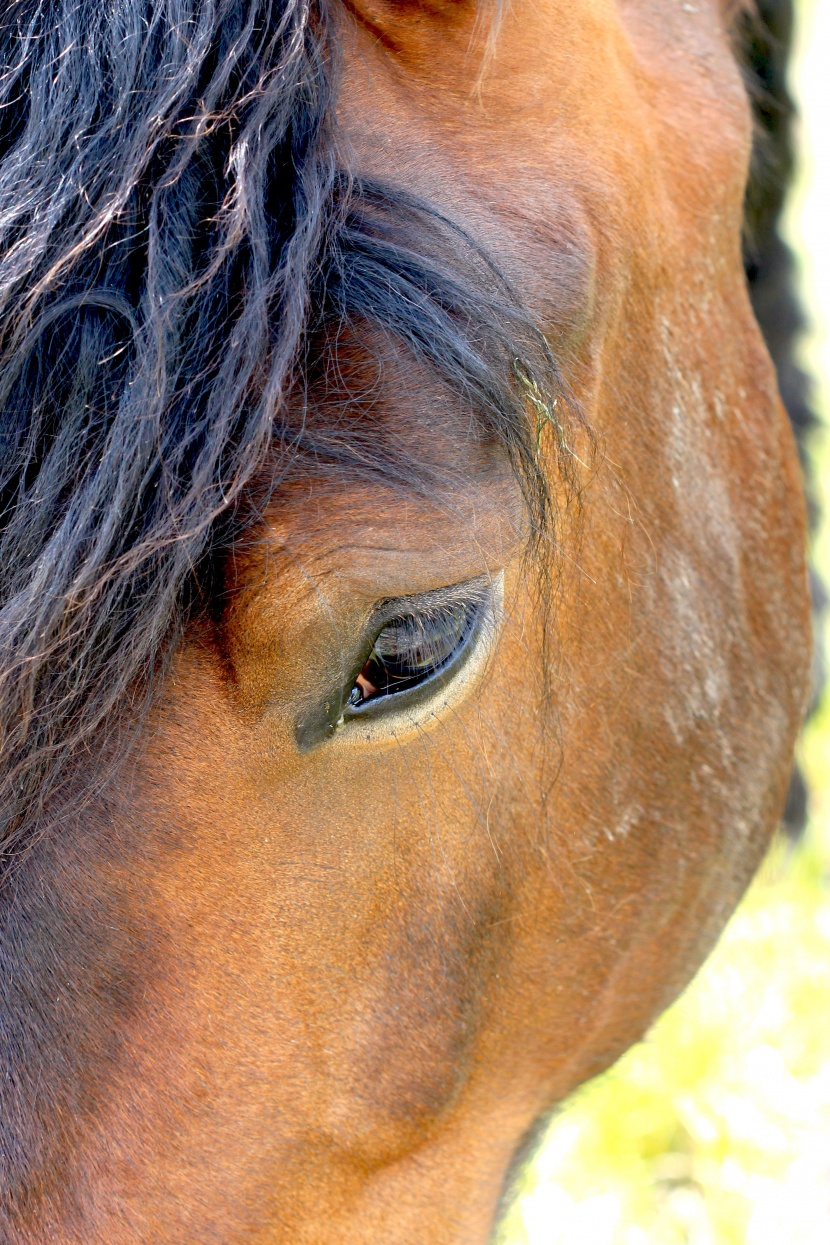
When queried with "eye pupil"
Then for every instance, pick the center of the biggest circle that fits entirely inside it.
(411, 648)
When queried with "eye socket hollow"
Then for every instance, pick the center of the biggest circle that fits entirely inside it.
(419, 643)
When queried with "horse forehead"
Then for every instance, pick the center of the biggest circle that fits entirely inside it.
(573, 130)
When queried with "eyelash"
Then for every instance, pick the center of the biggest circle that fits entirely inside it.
(413, 647)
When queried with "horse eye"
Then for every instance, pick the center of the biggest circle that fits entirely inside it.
(415, 646)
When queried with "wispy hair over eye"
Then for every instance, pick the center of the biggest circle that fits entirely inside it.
(174, 233)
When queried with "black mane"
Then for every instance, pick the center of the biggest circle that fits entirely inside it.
(767, 37)
(174, 230)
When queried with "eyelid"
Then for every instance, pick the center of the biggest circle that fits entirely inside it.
(414, 647)
(390, 717)
(394, 713)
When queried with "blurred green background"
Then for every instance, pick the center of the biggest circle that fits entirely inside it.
(716, 1129)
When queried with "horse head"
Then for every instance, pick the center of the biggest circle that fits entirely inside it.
(403, 602)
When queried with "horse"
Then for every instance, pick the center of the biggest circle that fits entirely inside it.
(403, 611)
